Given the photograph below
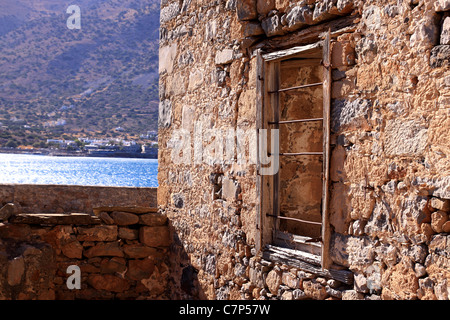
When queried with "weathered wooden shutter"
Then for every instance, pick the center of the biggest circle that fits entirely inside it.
(326, 150)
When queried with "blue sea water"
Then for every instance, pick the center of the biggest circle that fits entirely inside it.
(85, 171)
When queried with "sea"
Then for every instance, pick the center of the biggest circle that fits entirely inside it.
(84, 171)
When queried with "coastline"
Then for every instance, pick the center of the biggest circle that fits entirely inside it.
(63, 153)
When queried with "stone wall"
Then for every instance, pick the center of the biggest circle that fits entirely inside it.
(121, 254)
(114, 235)
(30, 198)
(390, 151)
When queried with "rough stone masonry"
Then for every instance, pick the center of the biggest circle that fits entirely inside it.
(389, 169)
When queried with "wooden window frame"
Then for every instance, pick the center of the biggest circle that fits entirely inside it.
(268, 90)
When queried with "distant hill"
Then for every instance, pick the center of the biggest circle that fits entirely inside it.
(58, 81)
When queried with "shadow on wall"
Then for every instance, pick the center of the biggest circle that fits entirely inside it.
(184, 277)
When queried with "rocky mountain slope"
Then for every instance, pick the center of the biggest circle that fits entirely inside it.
(89, 81)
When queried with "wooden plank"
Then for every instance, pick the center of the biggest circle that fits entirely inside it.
(337, 33)
(293, 154)
(299, 51)
(297, 238)
(295, 219)
(290, 254)
(326, 261)
(259, 179)
(135, 209)
(296, 242)
(275, 98)
(267, 180)
(298, 87)
(297, 120)
(272, 254)
(55, 219)
(308, 35)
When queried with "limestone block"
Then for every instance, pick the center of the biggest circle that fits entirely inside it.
(445, 32)
(140, 269)
(404, 138)
(287, 295)
(290, 280)
(297, 17)
(251, 29)
(105, 217)
(273, 281)
(73, 250)
(354, 252)
(379, 223)
(426, 33)
(333, 292)
(7, 211)
(420, 270)
(108, 282)
(97, 233)
(282, 5)
(256, 277)
(426, 229)
(128, 234)
(139, 251)
(299, 294)
(446, 227)
(438, 219)
(440, 245)
(230, 189)
(246, 9)
(177, 84)
(108, 249)
(167, 55)
(441, 5)
(16, 269)
(165, 114)
(323, 10)
(352, 295)
(426, 291)
(442, 290)
(155, 236)
(439, 187)
(347, 113)
(188, 117)
(272, 26)
(225, 56)
(265, 6)
(169, 12)
(57, 219)
(196, 80)
(124, 218)
(372, 17)
(314, 290)
(113, 265)
(344, 6)
(360, 283)
(343, 54)
(440, 204)
(400, 281)
(342, 88)
(178, 200)
(153, 219)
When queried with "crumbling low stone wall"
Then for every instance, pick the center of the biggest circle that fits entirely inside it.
(30, 198)
(121, 250)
